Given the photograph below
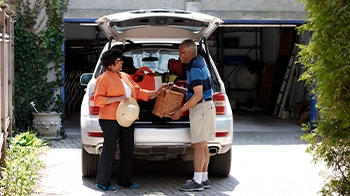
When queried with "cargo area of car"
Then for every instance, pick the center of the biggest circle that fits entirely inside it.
(160, 60)
(146, 108)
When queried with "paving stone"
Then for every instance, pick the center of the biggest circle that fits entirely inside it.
(268, 159)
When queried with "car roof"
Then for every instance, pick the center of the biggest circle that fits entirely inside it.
(158, 25)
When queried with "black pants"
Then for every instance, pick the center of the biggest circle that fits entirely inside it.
(113, 133)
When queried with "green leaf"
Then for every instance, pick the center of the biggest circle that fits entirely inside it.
(327, 69)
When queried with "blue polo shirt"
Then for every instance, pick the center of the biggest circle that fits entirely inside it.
(198, 74)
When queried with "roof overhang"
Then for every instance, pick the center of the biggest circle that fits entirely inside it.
(261, 23)
(226, 23)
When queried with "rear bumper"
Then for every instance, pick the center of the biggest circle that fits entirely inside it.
(162, 152)
(160, 143)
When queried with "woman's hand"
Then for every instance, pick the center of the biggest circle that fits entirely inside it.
(123, 99)
(153, 94)
(160, 88)
(169, 84)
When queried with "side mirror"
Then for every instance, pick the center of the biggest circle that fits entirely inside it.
(85, 78)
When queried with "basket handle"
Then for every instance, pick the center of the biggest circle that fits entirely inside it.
(144, 68)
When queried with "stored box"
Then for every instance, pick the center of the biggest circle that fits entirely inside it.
(234, 60)
(231, 42)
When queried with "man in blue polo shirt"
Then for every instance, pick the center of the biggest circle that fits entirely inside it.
(202, 113)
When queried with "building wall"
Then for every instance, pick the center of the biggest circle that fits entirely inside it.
(226, 10)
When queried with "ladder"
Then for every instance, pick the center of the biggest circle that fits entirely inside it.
(287, 80)
(295, 79)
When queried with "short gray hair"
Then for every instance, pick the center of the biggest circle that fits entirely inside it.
(190, 44)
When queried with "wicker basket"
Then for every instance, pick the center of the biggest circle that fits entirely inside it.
(166, 102)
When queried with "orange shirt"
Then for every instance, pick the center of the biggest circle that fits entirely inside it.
(108, 85)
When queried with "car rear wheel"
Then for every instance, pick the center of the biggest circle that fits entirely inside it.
(220, 164)
(89, 163)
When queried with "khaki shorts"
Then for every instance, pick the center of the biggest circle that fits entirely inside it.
(202, 122)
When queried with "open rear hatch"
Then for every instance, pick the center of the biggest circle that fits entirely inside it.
(158, 25)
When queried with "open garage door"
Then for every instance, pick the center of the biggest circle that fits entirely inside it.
(252, 57)
(83, 45)
(255, 59)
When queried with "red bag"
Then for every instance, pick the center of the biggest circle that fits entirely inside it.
(177, 68)
(146, 81)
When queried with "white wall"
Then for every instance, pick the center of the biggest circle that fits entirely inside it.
(225, 9)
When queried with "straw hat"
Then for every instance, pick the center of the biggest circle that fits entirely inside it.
(127, 112)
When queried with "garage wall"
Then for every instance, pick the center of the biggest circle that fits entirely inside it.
(225, 9)
(75, 31)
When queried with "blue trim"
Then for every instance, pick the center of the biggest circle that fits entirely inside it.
(80, 20)
(297, 22)
(313, 112)
(63, 72)
(313, 102)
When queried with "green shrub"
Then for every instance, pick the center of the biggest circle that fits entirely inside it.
(326, 60)
(22, 164)
(35, 49)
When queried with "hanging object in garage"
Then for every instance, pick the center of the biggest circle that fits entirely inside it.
(244, 79)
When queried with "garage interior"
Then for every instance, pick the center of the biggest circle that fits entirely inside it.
(256, 63)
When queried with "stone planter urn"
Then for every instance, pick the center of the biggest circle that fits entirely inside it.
(48, 124)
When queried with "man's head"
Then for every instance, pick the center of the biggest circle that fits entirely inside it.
(187, 50)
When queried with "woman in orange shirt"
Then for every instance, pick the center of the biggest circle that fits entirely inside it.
(112, 87)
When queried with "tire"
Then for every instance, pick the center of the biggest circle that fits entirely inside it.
(89, 163)
(220, 164)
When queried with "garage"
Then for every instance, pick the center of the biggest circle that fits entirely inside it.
(255, 59)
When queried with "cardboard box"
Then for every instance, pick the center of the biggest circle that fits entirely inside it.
(266, 85)
(300, 107)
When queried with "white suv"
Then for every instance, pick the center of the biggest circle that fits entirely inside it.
(151, 38)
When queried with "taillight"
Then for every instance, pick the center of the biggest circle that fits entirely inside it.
(95, 134)
(220, 104)
(94, 110)
(221, 134)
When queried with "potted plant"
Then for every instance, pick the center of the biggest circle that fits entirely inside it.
(47, 123)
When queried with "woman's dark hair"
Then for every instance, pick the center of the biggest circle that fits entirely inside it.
(109, 57)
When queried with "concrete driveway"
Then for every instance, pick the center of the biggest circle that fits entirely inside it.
(268, 159)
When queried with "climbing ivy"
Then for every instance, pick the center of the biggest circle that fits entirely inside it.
(326, 60)
(38, 42)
